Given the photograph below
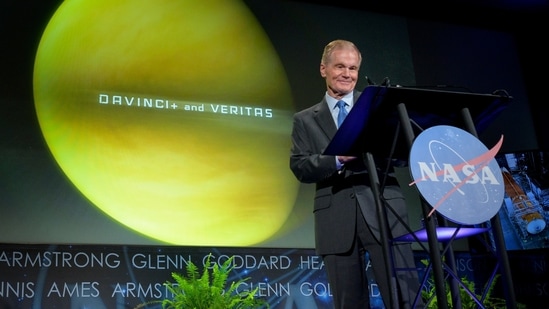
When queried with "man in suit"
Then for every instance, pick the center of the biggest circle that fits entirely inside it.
(346, 221)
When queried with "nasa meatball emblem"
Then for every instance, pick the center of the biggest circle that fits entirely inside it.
(457, 175)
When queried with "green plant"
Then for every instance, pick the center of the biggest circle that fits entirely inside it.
(208, 290)
(429, 296)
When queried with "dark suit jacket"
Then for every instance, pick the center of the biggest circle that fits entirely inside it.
(336, 193)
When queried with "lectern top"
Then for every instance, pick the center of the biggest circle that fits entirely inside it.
(372, 123)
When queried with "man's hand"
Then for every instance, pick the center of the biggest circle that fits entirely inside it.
(345, 159)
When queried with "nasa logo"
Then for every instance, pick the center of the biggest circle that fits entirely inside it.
(457, 175)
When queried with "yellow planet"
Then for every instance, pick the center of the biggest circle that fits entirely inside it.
(172, 117)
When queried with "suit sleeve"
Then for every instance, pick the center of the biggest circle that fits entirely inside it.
(308, 142)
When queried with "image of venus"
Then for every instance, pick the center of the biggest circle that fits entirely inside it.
(171, 117)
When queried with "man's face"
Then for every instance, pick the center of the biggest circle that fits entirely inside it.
(341, 72)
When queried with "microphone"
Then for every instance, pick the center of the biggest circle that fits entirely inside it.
(386, 82)
(369, 81)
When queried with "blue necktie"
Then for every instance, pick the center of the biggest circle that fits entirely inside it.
(342, 112)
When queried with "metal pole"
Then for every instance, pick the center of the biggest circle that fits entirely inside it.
(498, 234)
(434, 249)
(383, 229)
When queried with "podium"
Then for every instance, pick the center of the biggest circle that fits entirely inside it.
(380, 117)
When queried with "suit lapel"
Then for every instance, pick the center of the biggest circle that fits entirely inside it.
(324, 119)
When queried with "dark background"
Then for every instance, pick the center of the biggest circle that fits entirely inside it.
(526, 20)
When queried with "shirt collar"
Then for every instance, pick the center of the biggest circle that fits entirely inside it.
(333, 101)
